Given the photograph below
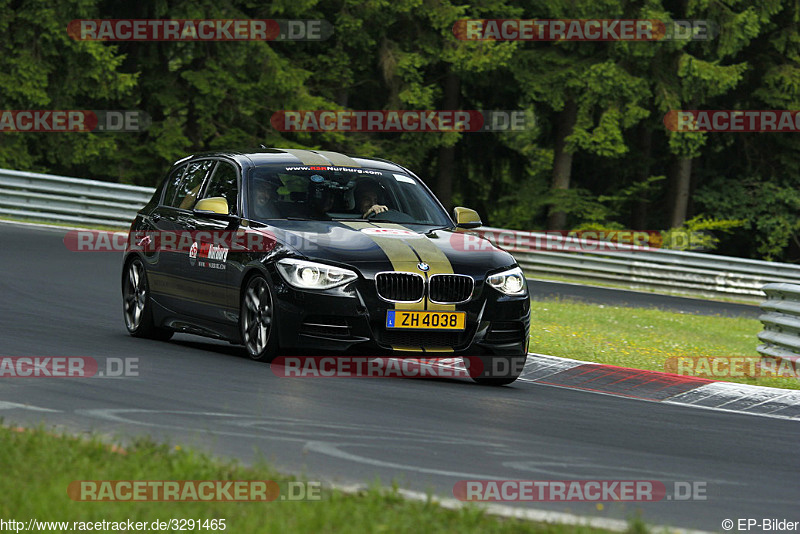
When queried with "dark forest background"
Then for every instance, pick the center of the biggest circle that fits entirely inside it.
(599, 155)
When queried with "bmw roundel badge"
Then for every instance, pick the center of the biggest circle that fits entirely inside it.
(424, 267)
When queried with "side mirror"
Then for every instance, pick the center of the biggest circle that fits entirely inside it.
(466, 218)
(214, 208)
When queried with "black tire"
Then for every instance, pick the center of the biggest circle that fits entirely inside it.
(494, 370)
(137, 309)
(257, 320)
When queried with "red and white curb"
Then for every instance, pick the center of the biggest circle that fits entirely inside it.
(656, 386)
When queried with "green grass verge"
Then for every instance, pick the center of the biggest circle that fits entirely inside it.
(644, 338)
(38, 466)
(721, 297)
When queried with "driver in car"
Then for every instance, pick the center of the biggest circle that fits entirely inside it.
(366, 196)
(265, 192)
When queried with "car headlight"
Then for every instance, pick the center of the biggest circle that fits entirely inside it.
(511, 282)
(311, 275)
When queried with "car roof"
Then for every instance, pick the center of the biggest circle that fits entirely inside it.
(292, 156)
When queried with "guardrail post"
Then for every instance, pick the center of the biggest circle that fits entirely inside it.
(780, 347)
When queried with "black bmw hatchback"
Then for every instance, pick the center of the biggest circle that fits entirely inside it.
(295, 249)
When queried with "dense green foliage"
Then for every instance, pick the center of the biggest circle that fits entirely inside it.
(607, 99)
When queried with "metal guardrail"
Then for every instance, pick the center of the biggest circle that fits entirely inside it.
(72, 200)
(689, 273)
(45, 197)
(781, 318)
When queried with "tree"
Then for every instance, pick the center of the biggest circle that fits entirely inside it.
(590, 98)
(43, 68)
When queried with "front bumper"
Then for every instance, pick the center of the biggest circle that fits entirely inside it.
(352, 318)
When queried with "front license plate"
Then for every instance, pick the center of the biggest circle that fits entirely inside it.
(426, 320)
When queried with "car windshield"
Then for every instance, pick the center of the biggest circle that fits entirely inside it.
(340, 193)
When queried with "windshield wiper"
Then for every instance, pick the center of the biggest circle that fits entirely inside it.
(367, 220)
(397, 222)
(389, 221)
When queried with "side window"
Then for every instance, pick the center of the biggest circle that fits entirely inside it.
(224, 184)
(172, 185)
(189, 188)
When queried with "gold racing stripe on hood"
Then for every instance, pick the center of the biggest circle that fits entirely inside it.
(405, 255)
(430, 254)
(400, 255)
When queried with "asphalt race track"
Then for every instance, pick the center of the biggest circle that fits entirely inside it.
(426, 434)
